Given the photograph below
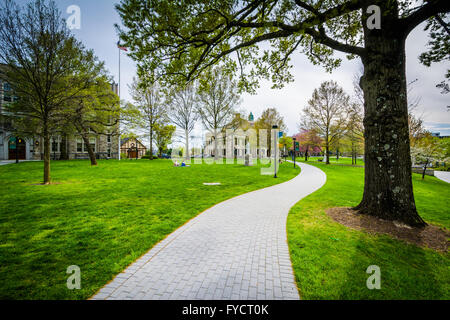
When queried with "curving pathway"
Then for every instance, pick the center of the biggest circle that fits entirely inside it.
(234, 250)
(442, 175)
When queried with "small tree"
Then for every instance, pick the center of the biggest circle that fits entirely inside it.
(218, 100)
(163, 136)
(286, 142)
(309, 142)
(326, 112)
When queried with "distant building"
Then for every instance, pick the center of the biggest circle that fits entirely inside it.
(238, 142)
(438, 135)
(31, 148)
(131, 147)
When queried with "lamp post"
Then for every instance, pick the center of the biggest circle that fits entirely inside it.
(275, 134)
(293, 154)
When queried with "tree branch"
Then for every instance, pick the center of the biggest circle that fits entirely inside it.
(430, 9)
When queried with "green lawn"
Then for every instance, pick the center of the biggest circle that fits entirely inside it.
(101, 218)
(333, 160)
(330, 260)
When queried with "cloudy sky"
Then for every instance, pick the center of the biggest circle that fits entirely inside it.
(97, 32)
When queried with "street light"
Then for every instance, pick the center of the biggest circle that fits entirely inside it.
(275, 148)
(293, 153)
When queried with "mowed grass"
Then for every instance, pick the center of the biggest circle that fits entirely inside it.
(334, 160)
(101, 218)
(330, 260)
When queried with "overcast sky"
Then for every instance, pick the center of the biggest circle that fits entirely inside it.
(97, 32)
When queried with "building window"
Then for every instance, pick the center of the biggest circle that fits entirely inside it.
(79, 145)
(109, 138)
(7, 92)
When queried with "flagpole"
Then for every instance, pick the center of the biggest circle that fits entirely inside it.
(118, 148)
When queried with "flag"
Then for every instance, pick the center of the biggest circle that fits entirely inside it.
(120, 47)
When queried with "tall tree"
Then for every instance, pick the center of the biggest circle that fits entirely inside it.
(149, 106)
(218, 99)
(183, 110)
(269, 118)
(42, 60)
(326, 113)
(180, 40)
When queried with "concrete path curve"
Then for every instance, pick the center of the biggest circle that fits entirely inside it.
(442, 175)
(234, 250)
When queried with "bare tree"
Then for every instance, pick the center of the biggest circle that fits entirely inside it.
(149, 105)
(327, 113)
(183, 111)
(218, 101)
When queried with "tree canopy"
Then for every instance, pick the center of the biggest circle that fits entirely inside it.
(180, 39)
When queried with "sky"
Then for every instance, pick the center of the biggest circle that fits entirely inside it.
(98, 33)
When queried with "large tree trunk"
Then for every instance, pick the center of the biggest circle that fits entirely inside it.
(306, 154)
(388, 190)
(46, 155)
(90, 151)
(187, 144)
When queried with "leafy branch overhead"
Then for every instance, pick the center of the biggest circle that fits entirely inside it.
(180, 39)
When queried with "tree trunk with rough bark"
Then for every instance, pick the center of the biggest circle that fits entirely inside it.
(388, 190)
(90, 151)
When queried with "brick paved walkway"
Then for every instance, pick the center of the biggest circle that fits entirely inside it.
(442, 175)
(234, 250)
